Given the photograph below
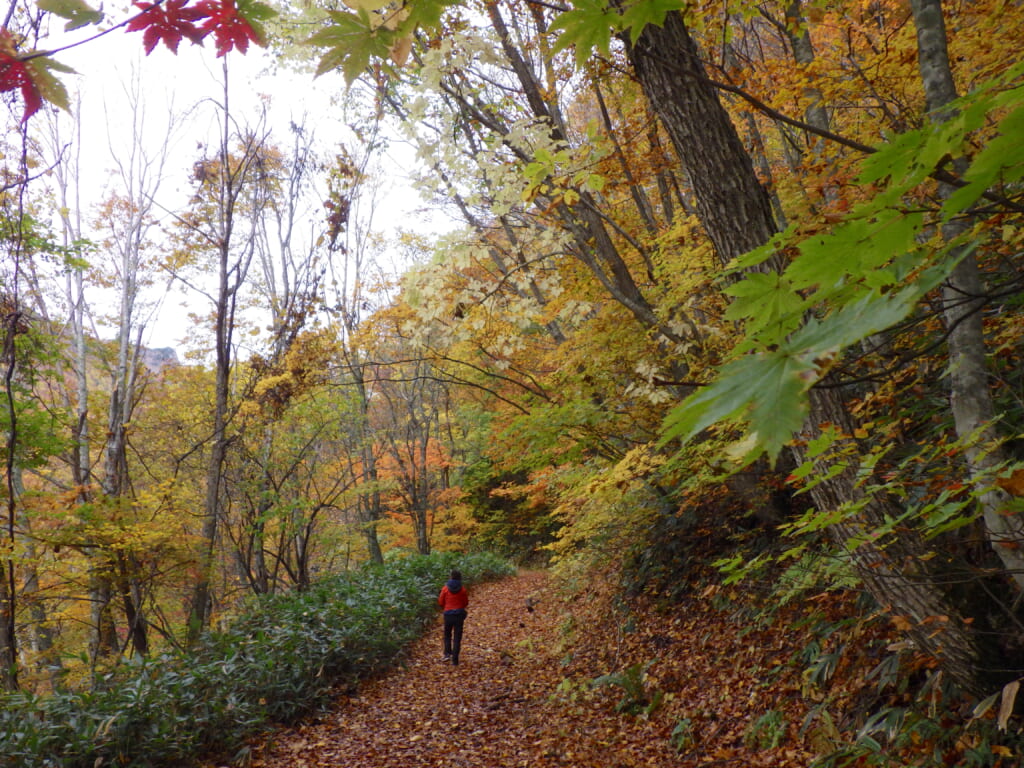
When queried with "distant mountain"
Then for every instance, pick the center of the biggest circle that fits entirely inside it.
(156, 360)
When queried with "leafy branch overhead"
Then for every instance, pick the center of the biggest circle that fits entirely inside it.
(233, 26)
(374, 30)
(863, 275)
(378, 30)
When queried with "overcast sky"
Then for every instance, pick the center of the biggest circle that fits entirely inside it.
(179, 82)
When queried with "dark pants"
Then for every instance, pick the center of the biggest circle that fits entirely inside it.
(453, 621)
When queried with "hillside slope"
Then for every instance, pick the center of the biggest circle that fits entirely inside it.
(718, 693)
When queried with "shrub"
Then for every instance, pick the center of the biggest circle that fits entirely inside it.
(278, 661)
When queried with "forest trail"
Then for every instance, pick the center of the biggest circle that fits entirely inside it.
(488, 711)
(517, 699)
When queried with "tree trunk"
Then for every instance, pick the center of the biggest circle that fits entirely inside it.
(103, 641)
(964, 299)
(893, 571)
(732, 205)
(202, 597)
(8, 575)
(201, 604)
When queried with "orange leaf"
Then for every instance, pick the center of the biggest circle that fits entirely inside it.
(1014, 484)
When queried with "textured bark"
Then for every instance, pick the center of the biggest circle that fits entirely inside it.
(732, 204)
(893, 570)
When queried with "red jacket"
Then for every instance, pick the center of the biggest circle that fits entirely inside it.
(452, 598)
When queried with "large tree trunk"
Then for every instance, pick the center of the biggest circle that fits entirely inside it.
(893, 570)
(732, 205)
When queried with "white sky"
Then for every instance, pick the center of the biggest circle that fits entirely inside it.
(104, 65)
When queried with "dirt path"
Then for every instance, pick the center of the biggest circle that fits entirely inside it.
(521, 698)
(485, 712)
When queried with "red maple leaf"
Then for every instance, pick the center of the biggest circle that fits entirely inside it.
(169, 21)
(230, 30)
(16, 74)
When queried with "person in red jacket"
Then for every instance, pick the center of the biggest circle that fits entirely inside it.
(453, 601)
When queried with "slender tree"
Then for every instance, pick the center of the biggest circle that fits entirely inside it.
(224, 179)
(964, 300)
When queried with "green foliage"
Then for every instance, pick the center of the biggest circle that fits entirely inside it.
(636, 698)
(682, 737)
(256, 14)
(277, 662)
(932, 740)
(861, 276)
(353, 40)
(40, 427)
(77, 12)
(590, 24)
(767, 732)
(351, 43)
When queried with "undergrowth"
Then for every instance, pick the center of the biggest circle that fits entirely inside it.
(279, 661)
(865, 696)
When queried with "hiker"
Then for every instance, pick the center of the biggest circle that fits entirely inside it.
(453, 601)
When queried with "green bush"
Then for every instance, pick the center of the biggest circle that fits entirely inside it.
(279, 661)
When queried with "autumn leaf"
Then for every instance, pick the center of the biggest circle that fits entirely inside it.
(1009, 697)
(231, 29)
(169, 22)
(1014, 484)
(32, 76)
(14, 74)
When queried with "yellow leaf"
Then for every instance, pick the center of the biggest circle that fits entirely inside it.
(1006, 705)
(366, 5)
(901, 623)
(400, 50)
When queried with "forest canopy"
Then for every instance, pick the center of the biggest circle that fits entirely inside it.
(742, 274)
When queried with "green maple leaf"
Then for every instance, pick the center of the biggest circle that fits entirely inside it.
(640, 14)
(587, 26)
(78, 13)
(779, 404)
(854, 321)
(253, 10)
(426, 13)
(768, 303)
(351, 43)
(767, 389)
(1000, 161)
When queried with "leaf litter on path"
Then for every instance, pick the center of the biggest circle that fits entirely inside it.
(521, 696)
